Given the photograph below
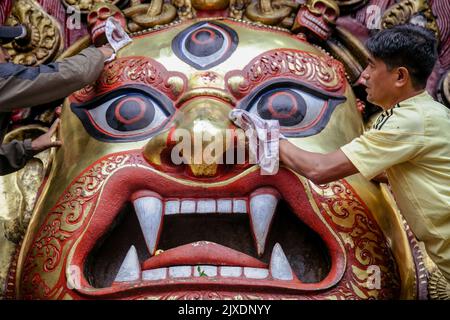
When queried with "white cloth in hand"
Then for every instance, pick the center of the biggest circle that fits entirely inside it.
(263, 136)
(116, 36)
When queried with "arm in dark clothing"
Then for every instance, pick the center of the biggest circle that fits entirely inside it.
(14, 156)
(22, 87)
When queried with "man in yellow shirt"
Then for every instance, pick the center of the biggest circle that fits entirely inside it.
(410, 140)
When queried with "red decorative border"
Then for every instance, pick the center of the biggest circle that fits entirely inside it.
(338, 203)
(365, 244)
(323, 73)
(132, 70)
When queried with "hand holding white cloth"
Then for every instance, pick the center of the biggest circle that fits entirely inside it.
(116, 36)
(263, 136)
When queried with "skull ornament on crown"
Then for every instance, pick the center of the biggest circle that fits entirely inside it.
(118, 218)
(317, 18)
(96, 21)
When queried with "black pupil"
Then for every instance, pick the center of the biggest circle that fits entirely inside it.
(203, 36)
(204, 42)
(284, 105)
(133, 112)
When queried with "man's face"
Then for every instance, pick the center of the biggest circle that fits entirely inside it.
(379, 82)
(4, 56)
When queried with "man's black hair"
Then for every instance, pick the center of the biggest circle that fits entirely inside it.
(409, 46)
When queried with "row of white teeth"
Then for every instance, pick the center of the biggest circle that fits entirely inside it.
(260, 206)
(319, 27)
(316, 21)
(279, 269)
(316, 28)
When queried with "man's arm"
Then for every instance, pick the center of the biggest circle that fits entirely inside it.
(317, 167)
(23, 87)
(14, 155)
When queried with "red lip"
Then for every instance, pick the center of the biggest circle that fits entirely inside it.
(126, 182)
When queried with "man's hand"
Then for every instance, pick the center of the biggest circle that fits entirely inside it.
(44, 141)
(107, 51)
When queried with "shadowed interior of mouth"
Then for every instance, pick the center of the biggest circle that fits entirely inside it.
(304, 249)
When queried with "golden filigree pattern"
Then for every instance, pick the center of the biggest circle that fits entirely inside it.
(365, 244)
(140, 70)
(410, 11)
(44, 37)
(84, 6)
(338, 204)
(65, 219)
(214, 295)
(322, 72)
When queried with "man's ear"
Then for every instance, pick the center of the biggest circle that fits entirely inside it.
(403, 77)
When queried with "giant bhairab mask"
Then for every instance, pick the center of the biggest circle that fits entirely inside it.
(118, 219)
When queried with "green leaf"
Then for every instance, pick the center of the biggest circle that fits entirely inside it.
(201, 272)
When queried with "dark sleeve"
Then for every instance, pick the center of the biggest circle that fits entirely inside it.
(22, 87)
(14, 156)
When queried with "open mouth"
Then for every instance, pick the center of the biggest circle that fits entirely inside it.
(254, 233)
(255, 238)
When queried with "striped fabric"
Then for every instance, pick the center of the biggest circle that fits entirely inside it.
(361, 14)
(383, 117)
(56, 9)
(441, 10)
(5, 9)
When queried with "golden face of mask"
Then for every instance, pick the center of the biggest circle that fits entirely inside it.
(91, 219)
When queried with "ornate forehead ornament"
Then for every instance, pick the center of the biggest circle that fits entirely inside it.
(84, 6)
(160, 13)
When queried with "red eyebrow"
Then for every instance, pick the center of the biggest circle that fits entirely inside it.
(131, 70)
(322, 73)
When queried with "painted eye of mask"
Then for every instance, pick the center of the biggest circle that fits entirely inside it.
(205, 44)
(301, 111)
(125, 115)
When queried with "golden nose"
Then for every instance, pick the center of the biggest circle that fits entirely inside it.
(198, 137)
